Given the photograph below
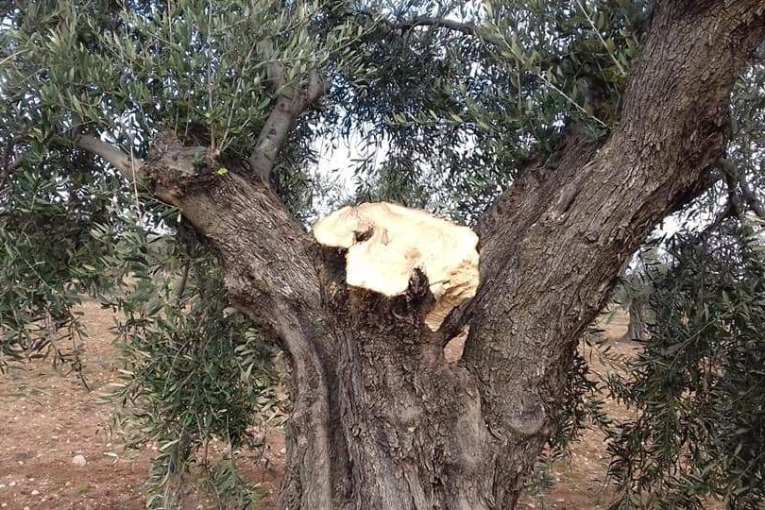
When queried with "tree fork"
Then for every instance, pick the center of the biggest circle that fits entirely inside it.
(379, 419)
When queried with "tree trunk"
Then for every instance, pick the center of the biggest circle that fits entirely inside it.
(404, 429)
(379, 419)
(637, 329)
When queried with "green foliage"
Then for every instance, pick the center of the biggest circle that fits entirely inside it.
(194, 370)
(446, 119)
(580, 406)
(458, 116)
(45, 252)
(230, 490)
(697, 388)
(198, 68)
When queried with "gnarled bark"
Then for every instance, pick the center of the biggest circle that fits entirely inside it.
(547, 272)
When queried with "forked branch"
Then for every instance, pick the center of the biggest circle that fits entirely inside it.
(293, 99)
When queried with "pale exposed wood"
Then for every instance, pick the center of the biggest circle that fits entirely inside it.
(386, 243)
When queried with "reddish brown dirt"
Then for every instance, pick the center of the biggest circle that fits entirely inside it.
(47, 418)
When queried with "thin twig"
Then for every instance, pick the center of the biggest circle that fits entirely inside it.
(135, 183)
(603, 41)
(425, 21)
(209, 80)
(569, 99)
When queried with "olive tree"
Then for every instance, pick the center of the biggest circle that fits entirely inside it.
(584, 124)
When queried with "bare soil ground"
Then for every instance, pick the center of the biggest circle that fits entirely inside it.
(47, 419)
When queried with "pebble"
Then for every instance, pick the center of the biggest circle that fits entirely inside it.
(79, 460)
(35, 492)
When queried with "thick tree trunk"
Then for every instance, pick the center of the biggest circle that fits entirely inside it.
(380, 420)
(405, 429)
(553, 246)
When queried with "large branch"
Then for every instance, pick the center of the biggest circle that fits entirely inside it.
(254, 221)
(273, 136)
(240, 216)
(278, 268)
(558, 239)
(269, 270)
(267, 259)
(129, 168)
(292, 101)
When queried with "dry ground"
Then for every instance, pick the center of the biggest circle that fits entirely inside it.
(47, 419)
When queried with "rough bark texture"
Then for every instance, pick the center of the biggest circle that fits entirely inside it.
(546, 276)
(380, 421)
(637, 329)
